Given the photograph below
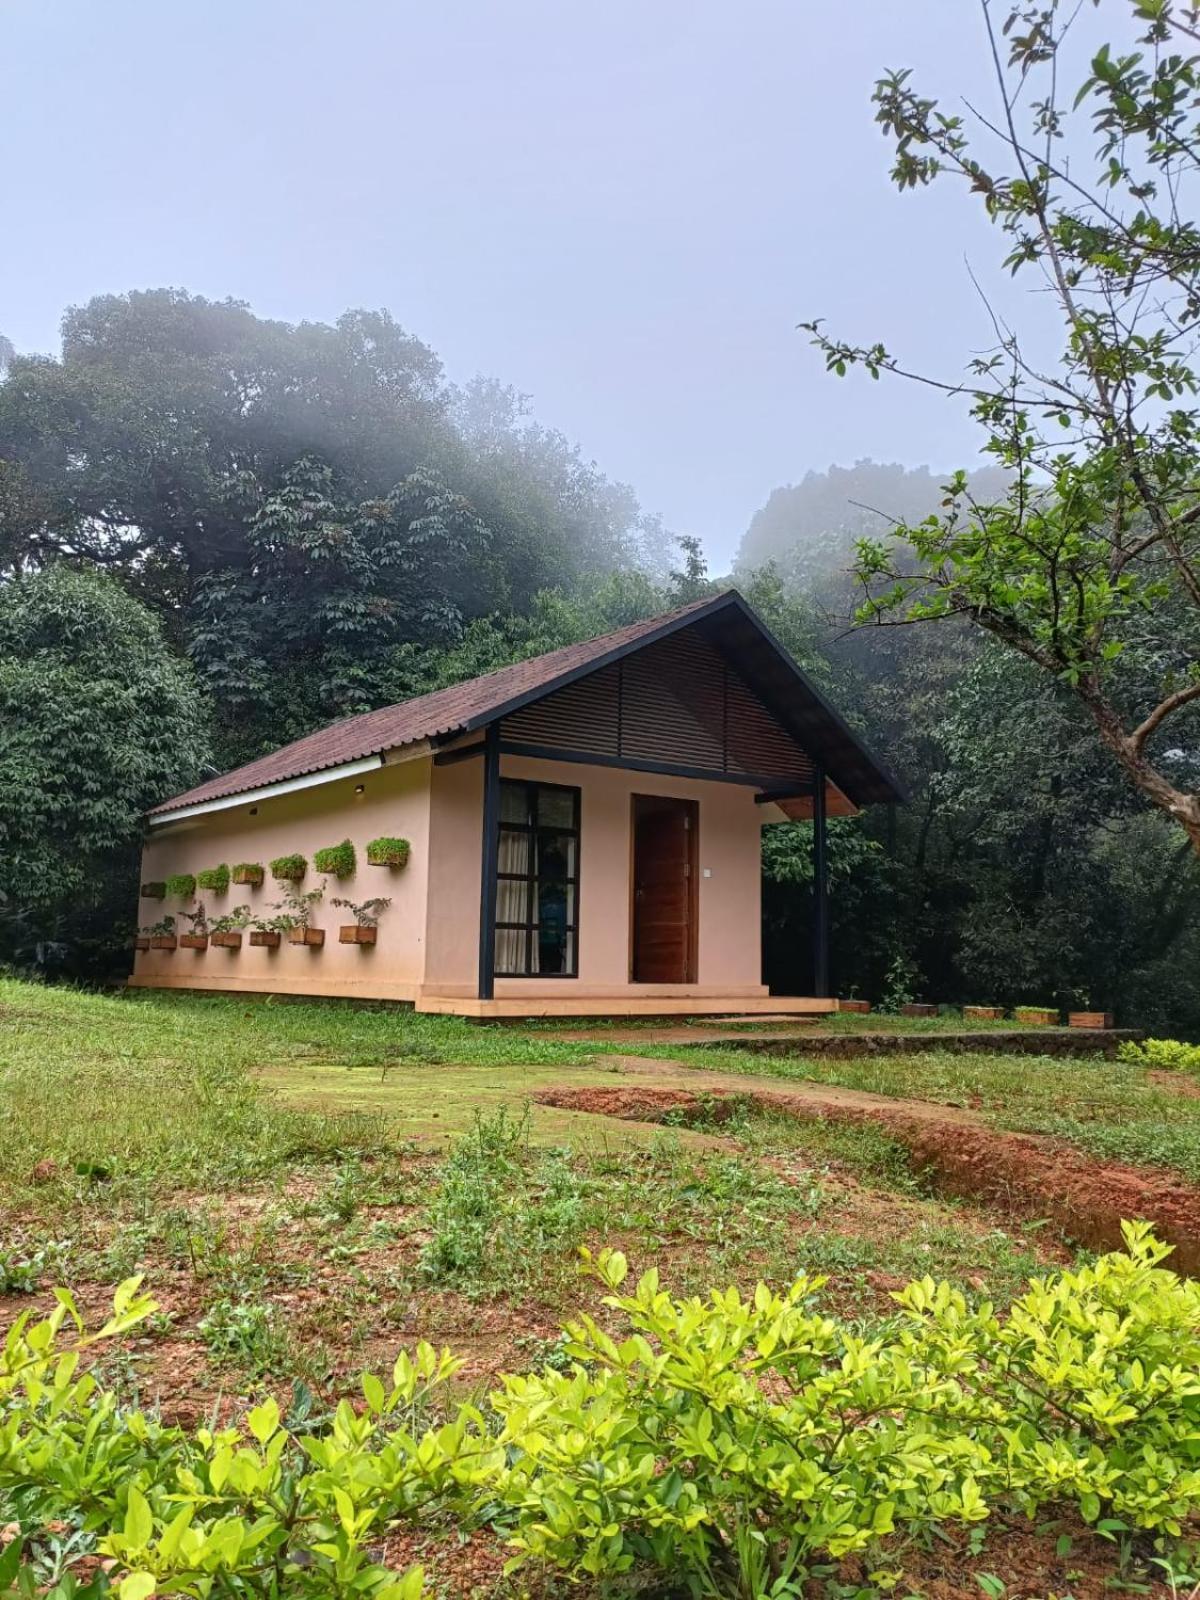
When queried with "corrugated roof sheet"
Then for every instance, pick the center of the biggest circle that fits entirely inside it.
(469, 705)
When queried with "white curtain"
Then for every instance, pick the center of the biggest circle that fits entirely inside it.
(512, 903)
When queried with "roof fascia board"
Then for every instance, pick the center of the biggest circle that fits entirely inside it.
(246, 797)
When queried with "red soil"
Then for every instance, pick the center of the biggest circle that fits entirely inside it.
(1023, 1173)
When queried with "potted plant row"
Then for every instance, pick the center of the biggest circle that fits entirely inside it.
(158, 936)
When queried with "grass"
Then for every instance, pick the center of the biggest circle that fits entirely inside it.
(1111, 1109)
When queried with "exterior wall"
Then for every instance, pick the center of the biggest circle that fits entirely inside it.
(728, 891)
(395, 801)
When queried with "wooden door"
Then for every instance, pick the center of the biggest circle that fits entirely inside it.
(664, 890)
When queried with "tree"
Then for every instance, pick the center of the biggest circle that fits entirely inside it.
(98, 721)
(1088, 563)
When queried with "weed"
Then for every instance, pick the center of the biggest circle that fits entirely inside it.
(247, 1334)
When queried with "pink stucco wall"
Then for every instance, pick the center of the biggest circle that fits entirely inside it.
(428, 938)
(395, 801)
(730, 934)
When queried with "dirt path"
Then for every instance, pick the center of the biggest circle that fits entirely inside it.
(1021, 1173)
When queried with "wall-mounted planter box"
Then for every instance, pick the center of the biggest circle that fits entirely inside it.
(248, 872)
(1090, 1019)
(228, 941)
(336, 860)
(315, 937)
(1042, 1015)
(392, 853)
(214, 879)
(193, 941)
(154, 891)
(289, 869)
(264, 939)
(915, 1010)
(983, 1013)
(163, 941)
(351, 933)
(142, 942)
(861, 1006)
(182, 885)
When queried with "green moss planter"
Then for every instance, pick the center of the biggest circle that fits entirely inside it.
(250, 872)
(214, 879)
(182, 885)
(388, 853)
(337, 860)
(153, 891)
(289, 869)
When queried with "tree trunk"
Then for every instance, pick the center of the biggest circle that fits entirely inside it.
(1181, 807)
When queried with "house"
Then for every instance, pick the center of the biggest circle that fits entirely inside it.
(584, 831)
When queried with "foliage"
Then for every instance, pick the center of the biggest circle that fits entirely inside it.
(295, 909)
(367, 914)
(181, 885)
(162, 929)
(289, 869)
(215, 879)
(1167, 1055)
(388, 852)
(337, 860)
(233, 921)
(248, 872)
(98, 720)
(1088, 562)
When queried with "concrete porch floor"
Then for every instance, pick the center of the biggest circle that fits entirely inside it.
(730, 1007)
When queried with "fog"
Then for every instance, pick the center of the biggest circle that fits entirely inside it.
(623, 210)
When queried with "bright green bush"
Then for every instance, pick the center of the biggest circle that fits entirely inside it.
(215, 879)
(387, 852)
(729, 1445)
(181, 885)
(338, 860)
(1169, 1055)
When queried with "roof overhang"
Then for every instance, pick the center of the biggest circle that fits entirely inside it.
(249, 797)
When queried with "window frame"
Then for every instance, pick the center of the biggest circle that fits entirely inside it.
(532, 828)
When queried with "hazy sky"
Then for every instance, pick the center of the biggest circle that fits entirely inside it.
(623, 208)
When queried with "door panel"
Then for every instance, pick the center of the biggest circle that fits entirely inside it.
(664, 890)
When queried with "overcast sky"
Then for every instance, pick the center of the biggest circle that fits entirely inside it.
(623, 208)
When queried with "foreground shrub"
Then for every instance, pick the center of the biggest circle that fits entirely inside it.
(733, 1446)
(1166, 1054)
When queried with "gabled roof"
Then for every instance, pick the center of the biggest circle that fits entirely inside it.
(725, 618)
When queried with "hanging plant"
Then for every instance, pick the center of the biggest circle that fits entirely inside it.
(336, 860)
(161, 935)
(365, 927)
(182, 885)
(249, 872)
(289, 869)
(215, 879)
(198, 938)
(388, 853)
(227, 931)
(153, 891)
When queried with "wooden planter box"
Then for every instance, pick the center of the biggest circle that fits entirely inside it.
(194, 941)
(228, 941)
(154, 891)
(913, 1009)
(1090, 1019)
(983, 1013)
(1042, 1015)
(250, 875)
(142, 942)
(854, 1005)
(351, 933)
(265, 939)
(315, 937)
(163, 941)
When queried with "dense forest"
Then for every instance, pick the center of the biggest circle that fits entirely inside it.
(219, 532)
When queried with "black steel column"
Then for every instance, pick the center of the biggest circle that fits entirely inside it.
(490, 852)
(820, 890)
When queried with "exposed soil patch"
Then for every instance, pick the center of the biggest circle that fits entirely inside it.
(1021, 1173)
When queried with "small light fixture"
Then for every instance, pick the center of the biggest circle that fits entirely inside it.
(359, 788)
(253, 811)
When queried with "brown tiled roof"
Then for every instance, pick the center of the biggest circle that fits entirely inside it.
(446, 711)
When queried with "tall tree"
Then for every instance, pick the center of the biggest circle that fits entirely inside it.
(1089, 563)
